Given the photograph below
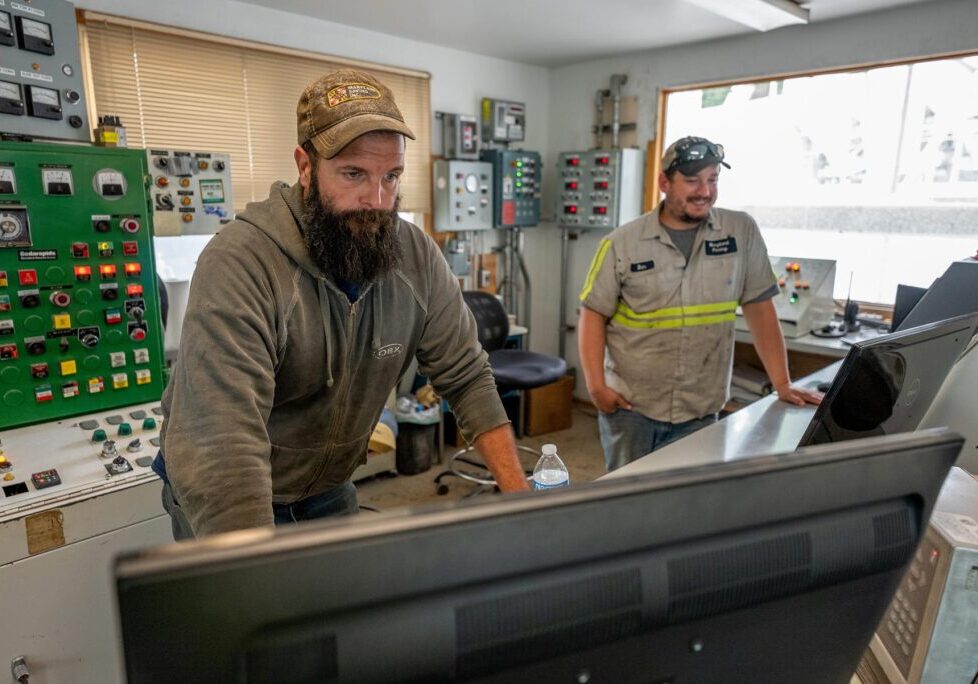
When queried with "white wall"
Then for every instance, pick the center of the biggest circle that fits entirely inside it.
(931, 28)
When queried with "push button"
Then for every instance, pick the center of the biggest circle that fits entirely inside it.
(149, 423)
(27, 276)
(125, 429)
(99, 435)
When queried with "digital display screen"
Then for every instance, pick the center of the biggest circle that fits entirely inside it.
(211, 190)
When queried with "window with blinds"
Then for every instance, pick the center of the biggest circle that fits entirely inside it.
(178, 89)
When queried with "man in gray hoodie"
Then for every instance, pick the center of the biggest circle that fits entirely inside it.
(303, 314)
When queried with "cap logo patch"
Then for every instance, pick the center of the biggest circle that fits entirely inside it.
(351, 91)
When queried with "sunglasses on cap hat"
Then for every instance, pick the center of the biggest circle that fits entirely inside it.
(694, 150)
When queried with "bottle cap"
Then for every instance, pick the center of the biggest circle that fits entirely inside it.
(549, 449)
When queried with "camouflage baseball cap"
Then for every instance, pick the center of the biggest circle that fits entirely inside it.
(343, 105)
(691, 155)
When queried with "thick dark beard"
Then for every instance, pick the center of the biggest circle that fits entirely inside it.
(358, 246)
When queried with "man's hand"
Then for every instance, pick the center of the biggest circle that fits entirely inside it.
(608, 400)
(799, 396)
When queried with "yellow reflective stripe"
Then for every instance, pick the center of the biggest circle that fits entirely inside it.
(692, 310)
(675, 322)
(596, 263)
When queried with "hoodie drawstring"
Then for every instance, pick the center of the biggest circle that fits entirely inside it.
(324, 310)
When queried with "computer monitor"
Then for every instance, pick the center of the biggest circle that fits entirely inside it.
(886, 384)
(907, 297)
(954, 293)
(776, 568)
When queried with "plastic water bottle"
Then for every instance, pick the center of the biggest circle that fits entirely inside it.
(550, 472)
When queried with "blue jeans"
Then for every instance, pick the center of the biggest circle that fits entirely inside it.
(628, 435)
(338, 501)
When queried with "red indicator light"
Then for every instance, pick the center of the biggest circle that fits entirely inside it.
(83, 272)
(601, 160)
(570, 209)
(571, 186)
(600, 185)
(107, 271)
(573, 161)
(133, 269)
(134, 290)
(601, 210)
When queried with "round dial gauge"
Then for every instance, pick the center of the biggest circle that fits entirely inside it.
(11, 227)
(472, 183)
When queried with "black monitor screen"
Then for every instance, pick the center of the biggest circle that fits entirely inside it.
(886, 384)
(907, 297)
(774, 569)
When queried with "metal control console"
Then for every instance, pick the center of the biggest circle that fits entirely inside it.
(599, 188)
(80, 326)
(463, 195)
(191, 191)
(41, 89)
(804, 301)
(930, 632)
(74, 493)
(516, 185)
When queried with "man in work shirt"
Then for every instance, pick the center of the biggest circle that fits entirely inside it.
(656, 329)
(303, 314)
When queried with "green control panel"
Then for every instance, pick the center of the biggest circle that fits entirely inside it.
(80, 327)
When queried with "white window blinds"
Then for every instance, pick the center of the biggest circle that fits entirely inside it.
(178, 89)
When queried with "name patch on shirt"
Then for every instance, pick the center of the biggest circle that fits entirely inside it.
(720, 247)
(643, 266)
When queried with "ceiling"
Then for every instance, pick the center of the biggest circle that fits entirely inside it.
(551, 32)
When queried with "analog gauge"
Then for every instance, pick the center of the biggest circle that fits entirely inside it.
(36, 29)
(11, 227)
(472, 183)
(45, 96)
(9, 91)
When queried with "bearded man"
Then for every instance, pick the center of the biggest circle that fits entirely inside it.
(303, 314)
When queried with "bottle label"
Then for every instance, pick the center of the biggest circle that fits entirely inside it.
(555, 485)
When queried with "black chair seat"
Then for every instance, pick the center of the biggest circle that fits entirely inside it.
(518, 369)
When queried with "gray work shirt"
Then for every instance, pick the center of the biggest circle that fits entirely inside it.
(670, 332)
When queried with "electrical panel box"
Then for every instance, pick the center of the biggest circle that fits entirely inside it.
(41, 90)
(929, 634)
(460, 136)
(191, 191)
(599, 188)
(80, 326)
(516, 184)
(804, 301)
(502, 121)
(463, 195)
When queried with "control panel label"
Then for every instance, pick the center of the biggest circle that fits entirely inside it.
(37, 254)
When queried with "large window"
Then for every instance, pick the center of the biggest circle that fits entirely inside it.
(876, 168)
(186, 90)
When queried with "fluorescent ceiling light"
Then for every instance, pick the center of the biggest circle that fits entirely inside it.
(762, 15)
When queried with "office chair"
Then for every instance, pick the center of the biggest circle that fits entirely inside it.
(513, 369)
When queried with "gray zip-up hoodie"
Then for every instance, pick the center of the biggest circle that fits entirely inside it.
(280, 378)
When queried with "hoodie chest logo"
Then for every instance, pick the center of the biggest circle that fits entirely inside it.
(388, 350)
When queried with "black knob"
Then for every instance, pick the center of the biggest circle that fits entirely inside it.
(75, 121)
(162, 162)
(219, 165)
(72, 95)
(110, 293)
(37, 348)
(90, 340)
(102, 226)
(30, 301)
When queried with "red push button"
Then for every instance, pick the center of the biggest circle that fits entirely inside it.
(79, 250)
(134, 290)
(130, 225)
(107, 271)
(83, 273)
(130, 248)
(27, 276)
(138, 334)
(133, 269)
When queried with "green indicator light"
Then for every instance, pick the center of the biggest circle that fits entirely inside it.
(518, 174)
(519, 163)
(518, 184)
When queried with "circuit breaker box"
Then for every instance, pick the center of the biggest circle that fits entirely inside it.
(516, 187)
(80, 327)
